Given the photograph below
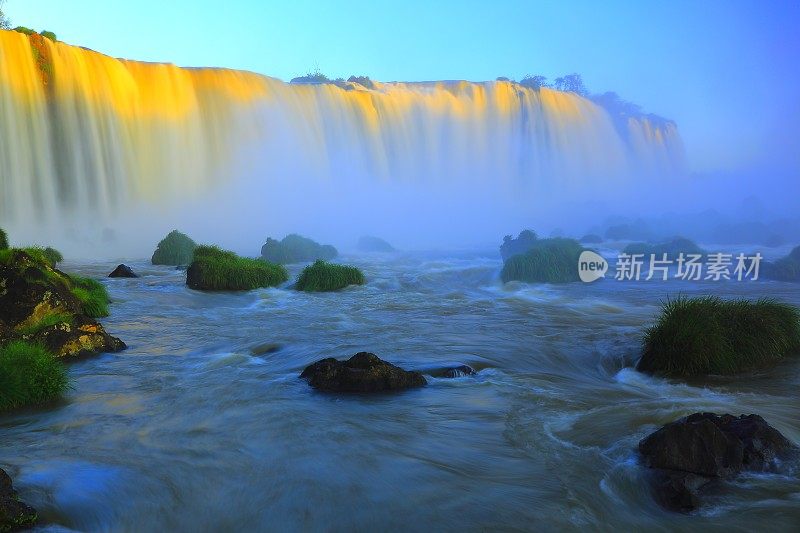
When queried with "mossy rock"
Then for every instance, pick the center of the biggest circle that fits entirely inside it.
(175, 249)
(591, 238)
(784, 269)
(214, 269)
(324, 277)
(369, 243)
(708, 335)
(296, 249)
(548, 261)
(40, 304)
(673, 247)
(14, 514)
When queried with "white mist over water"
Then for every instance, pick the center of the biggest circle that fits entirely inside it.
(98, 147)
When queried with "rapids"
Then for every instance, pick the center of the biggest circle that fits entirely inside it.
(187, 430)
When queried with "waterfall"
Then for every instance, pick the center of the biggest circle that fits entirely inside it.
(84, 133)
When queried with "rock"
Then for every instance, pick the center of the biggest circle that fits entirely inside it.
(123, 271)
(696, 449)
(364, 372)
(264, 349)
(37, 305)
(14, 514)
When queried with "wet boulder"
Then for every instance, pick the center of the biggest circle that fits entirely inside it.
(458, 371)
(123, 271)
(14, 514)
(697, 449)
(364, 372)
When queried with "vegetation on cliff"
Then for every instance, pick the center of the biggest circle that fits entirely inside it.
(784, 269)
(214, 269)
(708, 335)
(323, 276)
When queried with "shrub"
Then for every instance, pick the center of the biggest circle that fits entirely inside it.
(23, 29)
(524, 242)
(784, 269)
(374, 244)
(92, 295)
(672, 248)
(214, 269)
(708, 335)
(53, 255)
(176, 249)
(296, 249)
(3, 240)
(549, 261)
(324, 276)
(49, 35)
(29, 375)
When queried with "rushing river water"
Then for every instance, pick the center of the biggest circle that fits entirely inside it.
(189, 430)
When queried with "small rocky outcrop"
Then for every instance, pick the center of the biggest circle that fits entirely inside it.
(40, 304)
(364, 372)
(14, 514)
(123, 271)
(695, 450)
(459, 371)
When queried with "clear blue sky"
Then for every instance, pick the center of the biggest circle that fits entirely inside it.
(726, 71)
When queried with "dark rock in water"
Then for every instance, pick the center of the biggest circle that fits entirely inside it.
(14, 515)
(123, 271)
(37, 305)
(452, 372)
(693, 450)
(264, 349)
(364, 372)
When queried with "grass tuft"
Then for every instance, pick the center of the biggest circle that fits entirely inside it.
(46, 322)
(214, 269)
(29, 375)
(323, 276)
(92, 295)
(708, 335)
(548, 261)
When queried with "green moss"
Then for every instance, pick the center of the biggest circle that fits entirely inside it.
(214, 269)
(3, 240)
(708, 335)
(175, 249)
(92, 295)
(29, 375)
(672, 248)
(46, 322)
(548, 261)
(323, 276)
(296, 249)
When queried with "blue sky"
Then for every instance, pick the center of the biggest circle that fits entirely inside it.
(726, 71)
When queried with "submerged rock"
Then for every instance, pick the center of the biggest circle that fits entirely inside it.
(123, 271)
(364, 372)
(699, 448)
(14, 514)
(40, 304)
(459, 371)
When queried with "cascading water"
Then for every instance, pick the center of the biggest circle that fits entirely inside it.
(86, 134)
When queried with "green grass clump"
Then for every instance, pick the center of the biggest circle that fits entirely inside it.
(708, 335)
(784, 269)
(3, 240)
(53, 255)
(672, 248)
(324, 276)
(548, 261)
(214, 269)
(29, 375)
(175, 249)
(296, 249)
(92, 295)
(46, 322)
(23, 29)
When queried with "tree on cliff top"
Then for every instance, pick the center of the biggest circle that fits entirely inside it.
(5, 24)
